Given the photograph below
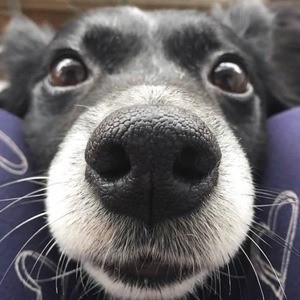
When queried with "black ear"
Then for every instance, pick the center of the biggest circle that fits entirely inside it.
(277, 49)
(286, 52)
(251, 21)
(23, 43)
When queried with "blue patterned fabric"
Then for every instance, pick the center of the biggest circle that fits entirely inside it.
(282, 175)
(27, 272)
(274, 250)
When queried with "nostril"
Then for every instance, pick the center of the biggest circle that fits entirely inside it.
(193, 164)
(152, 163)
(111, 162)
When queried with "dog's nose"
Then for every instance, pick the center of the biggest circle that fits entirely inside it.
(152, 163)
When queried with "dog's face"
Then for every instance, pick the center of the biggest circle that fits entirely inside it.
(150, 123)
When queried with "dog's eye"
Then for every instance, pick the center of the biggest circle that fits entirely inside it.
(230, 77)
(67, 72)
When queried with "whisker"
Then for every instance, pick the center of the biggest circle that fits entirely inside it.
(56, 271)
(231, 275)
(269, 205)
(85, 293)
(49, 264)
(255, 273)
(39, 257)
(258, 236)
(65, 271)
(76, 286)
(16, 198)
(34, 235)
(89, 283)
(9, 267)
(44, 258)
(34, 201)
(82, 280)
(229, 279)
(267, 193)
(277, 238)
(21, 260)
(21, 198)
(266, 190)
(28, 179)
(269, 262)
(58, 276)
(22, 224)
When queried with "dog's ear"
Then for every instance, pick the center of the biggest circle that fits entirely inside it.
(23, 44)
(251, 21)
(286, 53)
(277, 50)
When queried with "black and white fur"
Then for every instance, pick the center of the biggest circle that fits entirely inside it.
(139, 58)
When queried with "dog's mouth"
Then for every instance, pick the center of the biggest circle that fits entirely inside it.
(148, 272)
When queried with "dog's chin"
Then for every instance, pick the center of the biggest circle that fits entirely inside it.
(145, 279)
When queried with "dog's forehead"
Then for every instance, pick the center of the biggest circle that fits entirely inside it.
(145, 25)
(115, 36)
(133, 19)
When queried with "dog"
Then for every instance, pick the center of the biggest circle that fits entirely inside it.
(151, 127)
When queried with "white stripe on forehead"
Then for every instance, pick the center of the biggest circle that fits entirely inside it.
(118, 17)
(146, 17)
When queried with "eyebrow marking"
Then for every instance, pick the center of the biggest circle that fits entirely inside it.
(109, 46)
(189, 45)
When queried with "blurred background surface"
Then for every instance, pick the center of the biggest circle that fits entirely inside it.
(57, 12)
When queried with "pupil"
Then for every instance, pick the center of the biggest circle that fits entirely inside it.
(71, 72)
(68, 72)
(230, 77)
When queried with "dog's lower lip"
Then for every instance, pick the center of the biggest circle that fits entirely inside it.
(151, 271)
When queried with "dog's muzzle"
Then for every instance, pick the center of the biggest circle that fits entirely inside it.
(152, 163)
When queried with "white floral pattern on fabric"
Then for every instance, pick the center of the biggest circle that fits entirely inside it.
(276, 279)
(16, 168)
(25, 275)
